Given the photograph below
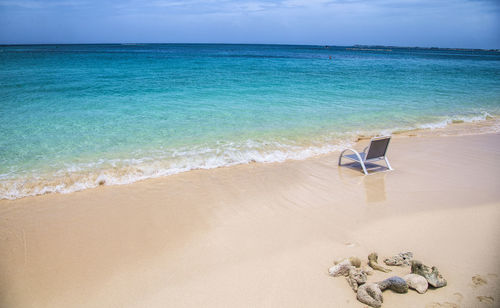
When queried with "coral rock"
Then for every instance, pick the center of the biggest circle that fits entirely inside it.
(370, 294)
(395, 283)
(416, 282)
(432, 275)
(356, 278)
(355, 261)
(341, 269)
(401, 259)
(373, 263)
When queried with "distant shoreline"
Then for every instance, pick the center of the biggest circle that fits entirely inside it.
(349, 47)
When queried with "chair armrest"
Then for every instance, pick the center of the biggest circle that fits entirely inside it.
(352, 150)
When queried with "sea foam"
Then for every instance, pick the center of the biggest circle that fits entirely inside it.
(125, 171)
(456, 119)
(77, 177)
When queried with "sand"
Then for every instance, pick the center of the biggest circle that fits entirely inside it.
(263, 235)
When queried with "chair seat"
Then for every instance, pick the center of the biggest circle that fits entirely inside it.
(355, 158)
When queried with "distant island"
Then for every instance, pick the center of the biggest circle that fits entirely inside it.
(389, 48)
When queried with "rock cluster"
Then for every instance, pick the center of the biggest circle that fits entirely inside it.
(350, 267)
(370, 293)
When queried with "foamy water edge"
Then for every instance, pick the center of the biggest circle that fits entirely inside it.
(120, 172)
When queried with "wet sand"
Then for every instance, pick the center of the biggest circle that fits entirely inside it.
(262, 235)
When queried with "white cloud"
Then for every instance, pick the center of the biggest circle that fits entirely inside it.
(33, 4)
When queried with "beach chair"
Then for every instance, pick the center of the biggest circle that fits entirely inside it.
(375, 151)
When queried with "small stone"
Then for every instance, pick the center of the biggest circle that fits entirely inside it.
(373, 263)
(341, 269)
(356, 278)
(416, 282)
(395, 283)
(355, 261)
(401, 259)
(370, 294)
(432, 275)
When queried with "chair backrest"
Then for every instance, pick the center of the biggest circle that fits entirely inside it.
(378, 147)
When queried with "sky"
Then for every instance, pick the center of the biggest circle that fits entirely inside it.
(425, 23)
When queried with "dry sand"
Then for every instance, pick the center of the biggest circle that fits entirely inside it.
(263, 235)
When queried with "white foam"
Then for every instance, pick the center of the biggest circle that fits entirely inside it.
(125, 171)
(460, 118)
(83, 176)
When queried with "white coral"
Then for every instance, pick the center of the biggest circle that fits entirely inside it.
(416, 282)
(341, 269)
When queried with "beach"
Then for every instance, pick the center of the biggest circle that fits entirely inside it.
(264, 234)
(191, 154)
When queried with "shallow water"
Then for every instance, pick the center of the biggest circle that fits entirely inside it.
(74, 116)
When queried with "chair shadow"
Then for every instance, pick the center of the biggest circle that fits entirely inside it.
(371, 168)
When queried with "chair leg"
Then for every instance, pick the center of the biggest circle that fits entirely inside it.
(359, 157)
(387, 162)
(340, 157)
(364, 168)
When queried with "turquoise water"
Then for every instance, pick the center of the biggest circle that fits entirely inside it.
(74, 116)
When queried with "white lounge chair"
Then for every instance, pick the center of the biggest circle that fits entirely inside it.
(375, 151)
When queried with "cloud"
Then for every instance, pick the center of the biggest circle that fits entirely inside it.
(33, 4)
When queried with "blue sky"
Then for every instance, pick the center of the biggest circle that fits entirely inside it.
(442, 23)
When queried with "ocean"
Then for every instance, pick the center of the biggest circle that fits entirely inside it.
(74, 117)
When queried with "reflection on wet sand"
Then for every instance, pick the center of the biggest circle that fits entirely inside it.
(375, 187)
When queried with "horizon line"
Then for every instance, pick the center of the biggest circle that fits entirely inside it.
(268, 44)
